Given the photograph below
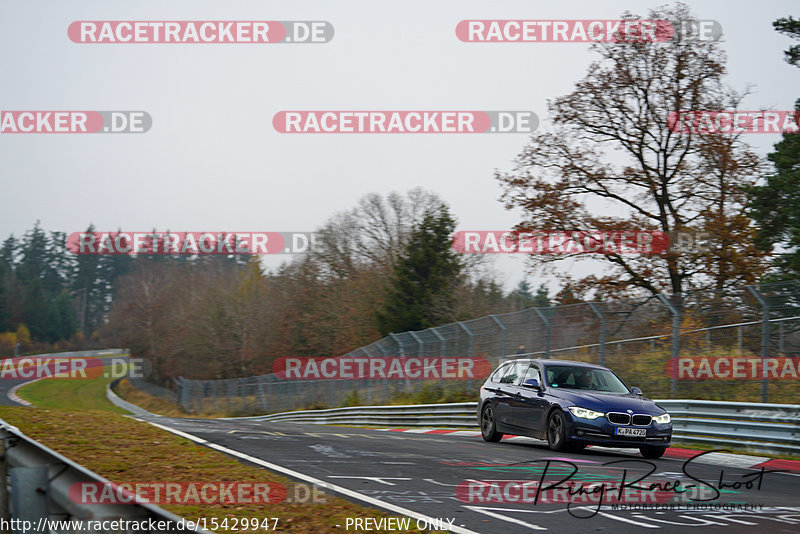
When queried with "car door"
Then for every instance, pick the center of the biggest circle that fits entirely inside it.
(506, 394)
(529, 404)
(494, 392)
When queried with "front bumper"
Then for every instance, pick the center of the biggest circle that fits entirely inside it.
(601, 432)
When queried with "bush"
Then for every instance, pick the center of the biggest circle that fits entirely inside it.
(353, 399)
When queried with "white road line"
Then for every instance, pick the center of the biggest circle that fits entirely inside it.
(626, 520)
(380, 480)
(536, 527)
(504, 518)
(727, 459)
(177, 432)
(321, 483)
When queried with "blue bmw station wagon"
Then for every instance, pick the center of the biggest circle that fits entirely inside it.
(571, 405)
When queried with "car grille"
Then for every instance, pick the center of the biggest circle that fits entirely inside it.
(619, 418)
(642, 420)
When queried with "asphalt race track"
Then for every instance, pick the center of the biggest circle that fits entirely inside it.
(420, 474)
(6, 385)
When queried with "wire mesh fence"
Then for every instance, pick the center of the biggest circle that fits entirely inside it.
(733, 345)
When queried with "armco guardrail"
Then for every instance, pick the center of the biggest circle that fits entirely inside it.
(773, 428)
(752, 426)
(40, 480)
(125, 405)
(460, 415)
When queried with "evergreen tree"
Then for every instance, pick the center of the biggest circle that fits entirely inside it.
(420, 294)
(542, 297)
(791, 27)
(775, 206)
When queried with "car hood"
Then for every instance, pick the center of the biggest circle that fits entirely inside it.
(607, 402)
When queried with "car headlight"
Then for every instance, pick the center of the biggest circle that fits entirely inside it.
(663, 418)
(584, 413)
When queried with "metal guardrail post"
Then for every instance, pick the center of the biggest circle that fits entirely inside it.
(420, 343)
(676, 337)
(28, 501)
(470, 350)
(4, 511)
(602, 343)
(214, 398)
(547, 325)
(442, 348)
(369, 380)
(503, 338)
(384, 384)
(764, 338)
(440, 337)
(180, 391)
(380, 347)
(739, 339)
(402, 347)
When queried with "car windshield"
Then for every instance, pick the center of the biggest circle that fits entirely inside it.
(578, 377)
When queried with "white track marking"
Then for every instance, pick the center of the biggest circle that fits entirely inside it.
(505, 518)
(321, 483)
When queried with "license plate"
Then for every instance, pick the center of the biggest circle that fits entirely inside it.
(635, 432)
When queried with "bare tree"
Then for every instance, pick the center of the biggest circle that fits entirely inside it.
(372, 234)
(612, 163)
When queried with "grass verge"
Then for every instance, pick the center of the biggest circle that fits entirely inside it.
(79, 423)
(151, 403)
(69, 393)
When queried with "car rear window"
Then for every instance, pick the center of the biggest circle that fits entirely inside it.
(532, 372)
(514, 372)
(498, 374)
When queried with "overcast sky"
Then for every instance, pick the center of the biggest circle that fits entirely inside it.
(212, 160)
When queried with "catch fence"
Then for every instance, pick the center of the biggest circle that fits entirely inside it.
(639, 338)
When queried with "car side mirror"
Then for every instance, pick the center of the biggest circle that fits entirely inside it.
(637, 391)
(531, 383)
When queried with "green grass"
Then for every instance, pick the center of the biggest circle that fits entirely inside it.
(87, 394)
(73, 417)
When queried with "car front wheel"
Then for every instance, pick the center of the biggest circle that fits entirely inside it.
(488, 425)
(651, 453)
(557, 431)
